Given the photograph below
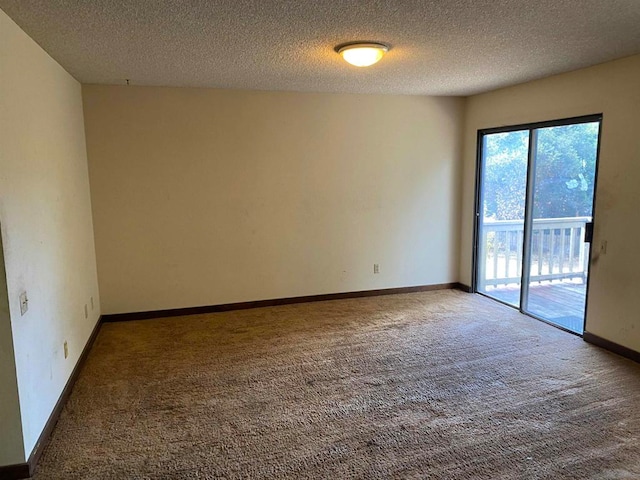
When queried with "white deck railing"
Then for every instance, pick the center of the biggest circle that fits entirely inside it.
(558, 250)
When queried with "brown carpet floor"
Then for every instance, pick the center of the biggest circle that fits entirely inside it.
(437, 385)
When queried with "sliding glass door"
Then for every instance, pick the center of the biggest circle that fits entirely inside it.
(536, 189)
(504, 181)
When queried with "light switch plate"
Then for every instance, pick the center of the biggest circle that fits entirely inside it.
(24, 303)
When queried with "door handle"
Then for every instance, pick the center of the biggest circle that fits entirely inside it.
(588, 232)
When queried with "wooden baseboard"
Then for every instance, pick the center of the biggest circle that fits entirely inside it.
(178, 312)
(25, 470)
(15, 472)
(611, 346)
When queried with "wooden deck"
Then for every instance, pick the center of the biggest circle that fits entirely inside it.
(559, 302)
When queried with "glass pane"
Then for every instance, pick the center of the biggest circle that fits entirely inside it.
(503, 191)
(564, 162)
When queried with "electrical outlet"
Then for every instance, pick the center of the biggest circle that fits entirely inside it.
(376, 268)
(24, 303)
(86, 311)
(66, 349)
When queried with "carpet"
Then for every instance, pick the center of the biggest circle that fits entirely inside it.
(433, 385)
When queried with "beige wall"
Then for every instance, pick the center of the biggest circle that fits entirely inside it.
(614, 90)
(204, 196)
(47, 229)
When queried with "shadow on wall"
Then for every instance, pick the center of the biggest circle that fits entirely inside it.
(11, 442)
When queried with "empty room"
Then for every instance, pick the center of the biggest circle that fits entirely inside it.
(342, 240)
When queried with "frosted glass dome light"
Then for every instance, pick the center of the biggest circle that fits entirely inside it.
(362, 54)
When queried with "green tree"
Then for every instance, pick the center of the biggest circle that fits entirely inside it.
(565, 171)
(505, 175)
(564, 176)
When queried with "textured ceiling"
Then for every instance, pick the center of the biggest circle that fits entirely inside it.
(439, 47)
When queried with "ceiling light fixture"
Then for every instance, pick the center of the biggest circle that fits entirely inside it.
(362, 54)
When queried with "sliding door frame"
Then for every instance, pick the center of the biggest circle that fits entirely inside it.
(528, 225)
(525, 273)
